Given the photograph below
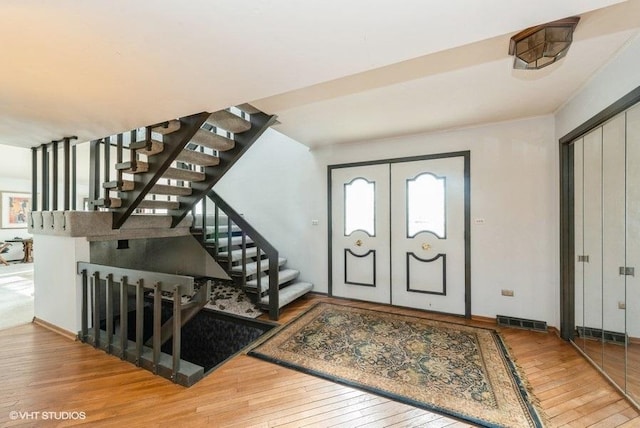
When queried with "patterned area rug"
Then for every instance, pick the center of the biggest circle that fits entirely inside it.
(457, 370)
(232, 300)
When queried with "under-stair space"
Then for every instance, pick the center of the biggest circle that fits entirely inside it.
(248, 258)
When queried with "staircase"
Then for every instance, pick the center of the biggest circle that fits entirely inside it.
(172, 165)
(165, 169)
(248, 258)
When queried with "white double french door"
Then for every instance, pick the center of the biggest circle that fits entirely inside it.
(398, 233)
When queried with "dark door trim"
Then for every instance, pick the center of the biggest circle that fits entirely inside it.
(466, 154)
(567, 233)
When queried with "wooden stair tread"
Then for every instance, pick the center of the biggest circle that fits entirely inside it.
(213, 141)
(168, 127)
(166, 189)
(183, 174)
(126, 167)
(229, 122)
(197, 158)
(248, 108)
(158, 205)
(156, 147)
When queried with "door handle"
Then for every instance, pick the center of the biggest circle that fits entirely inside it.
(624, 270)
(426, 246)
(358, 243)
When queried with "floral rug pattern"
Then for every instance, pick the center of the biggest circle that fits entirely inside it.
(458, 370)
(232, 300)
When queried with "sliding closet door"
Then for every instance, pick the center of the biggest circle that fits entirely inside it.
(592, 244)
(633, 253)
(613, 249)
(581, 258)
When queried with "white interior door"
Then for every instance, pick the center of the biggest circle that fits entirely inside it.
(398, 233)
(428, 238)
(360, 233)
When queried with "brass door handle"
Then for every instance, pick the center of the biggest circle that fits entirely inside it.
(426, 246)
(358, 243)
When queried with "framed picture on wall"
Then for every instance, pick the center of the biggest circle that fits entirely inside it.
(15, 209)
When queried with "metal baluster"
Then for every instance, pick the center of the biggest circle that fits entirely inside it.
(177, 324)
(124, 317)
(109, 310)
(139, 319)
(96, 308)
(85, 309)
(157, 326)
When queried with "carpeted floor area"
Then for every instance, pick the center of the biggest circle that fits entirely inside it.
(458, 370)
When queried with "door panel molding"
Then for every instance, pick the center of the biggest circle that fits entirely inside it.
(443, 263)
(372, 253)
(466, 155)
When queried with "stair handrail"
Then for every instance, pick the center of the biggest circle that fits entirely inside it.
(177, 285)
(269, 250)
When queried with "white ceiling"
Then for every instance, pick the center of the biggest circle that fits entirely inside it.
(332, 70)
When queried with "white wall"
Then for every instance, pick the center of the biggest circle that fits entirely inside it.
(619, 77)
(57, 286)
(281, 186)
(15, 176)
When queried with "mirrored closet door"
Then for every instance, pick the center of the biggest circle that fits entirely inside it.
(606, 177)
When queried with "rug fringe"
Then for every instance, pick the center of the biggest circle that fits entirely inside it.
(520, 371)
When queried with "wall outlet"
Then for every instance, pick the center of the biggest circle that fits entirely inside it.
(478, 221)
(315, 222)
(508, 293)
(622, 305)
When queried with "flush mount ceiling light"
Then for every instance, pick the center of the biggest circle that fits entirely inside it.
(542, 45)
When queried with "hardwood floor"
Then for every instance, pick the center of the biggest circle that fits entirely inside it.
(42, 371)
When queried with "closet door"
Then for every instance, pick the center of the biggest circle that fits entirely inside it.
(632, 282)
(581, 257)
(591, 329)
(613, 249)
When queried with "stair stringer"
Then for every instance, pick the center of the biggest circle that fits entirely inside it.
(260, 122)
(175, 143)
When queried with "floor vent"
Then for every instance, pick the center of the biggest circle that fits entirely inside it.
(506, 321)
(602, 335)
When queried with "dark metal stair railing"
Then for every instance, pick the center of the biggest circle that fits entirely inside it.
(263, 247)
(117, 343)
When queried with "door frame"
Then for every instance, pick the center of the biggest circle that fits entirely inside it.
(466, 155)
(567, 232)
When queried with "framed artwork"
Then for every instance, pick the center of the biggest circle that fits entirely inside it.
(15, 207)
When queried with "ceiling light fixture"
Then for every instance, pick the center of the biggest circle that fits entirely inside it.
(542, 45)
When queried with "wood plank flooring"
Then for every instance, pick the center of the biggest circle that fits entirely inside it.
(41, 371)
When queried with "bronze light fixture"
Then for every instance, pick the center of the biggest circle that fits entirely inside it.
(542, 45)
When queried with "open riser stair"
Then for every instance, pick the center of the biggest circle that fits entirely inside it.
(163, 170)
(248, 258)
(166, 168)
